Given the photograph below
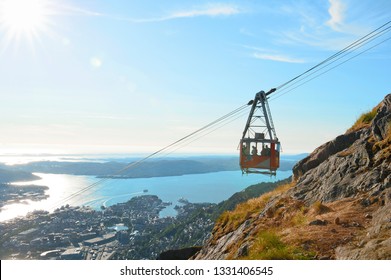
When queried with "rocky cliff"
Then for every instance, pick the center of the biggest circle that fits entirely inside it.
(338, 205)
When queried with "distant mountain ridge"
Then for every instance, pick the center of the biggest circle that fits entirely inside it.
(7, 176)
(151, 168)
(338, 205)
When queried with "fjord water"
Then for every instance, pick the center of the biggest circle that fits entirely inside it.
(208, 187)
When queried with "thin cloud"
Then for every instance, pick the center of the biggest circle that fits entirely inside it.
(326, 27)
(76, 11)
(105, 117)
(337, 14)
(216, 10)
(277, 57)
(246, 32)
(209, 11)
(273, 55)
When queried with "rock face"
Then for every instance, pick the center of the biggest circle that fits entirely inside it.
(349, 165)
(338, 208)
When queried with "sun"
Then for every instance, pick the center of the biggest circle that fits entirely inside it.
(23, 18)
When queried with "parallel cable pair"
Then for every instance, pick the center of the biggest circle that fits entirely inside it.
(306, 76)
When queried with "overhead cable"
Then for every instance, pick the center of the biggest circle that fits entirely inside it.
(356, 44)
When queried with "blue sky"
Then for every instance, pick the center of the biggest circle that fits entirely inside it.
(133, 76)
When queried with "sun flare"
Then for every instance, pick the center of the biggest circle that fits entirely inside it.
(23, 18)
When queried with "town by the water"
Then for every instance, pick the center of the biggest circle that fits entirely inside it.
(130, 230)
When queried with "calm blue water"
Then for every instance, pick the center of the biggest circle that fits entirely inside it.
(210, 187)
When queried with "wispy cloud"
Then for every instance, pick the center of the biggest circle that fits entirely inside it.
(329, 27)
(73, 10)
(273, 55)
(277, 57)
(246, 32)
(211, 10)
(314, 38)
(336, 11)
(106, 117)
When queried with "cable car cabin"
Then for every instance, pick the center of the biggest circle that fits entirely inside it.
(257, 155)
(259, 146)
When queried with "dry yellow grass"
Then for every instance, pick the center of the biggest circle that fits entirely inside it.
(231, 220)
(299, 219)
(345, 153)
(364, 120)
(319, 208)
(285, 231)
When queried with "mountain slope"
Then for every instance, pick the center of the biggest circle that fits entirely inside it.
(158, 167)
(7, 176)
(338, 205)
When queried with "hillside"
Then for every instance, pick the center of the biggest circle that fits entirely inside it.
(7, 176)
(159, 167)
(338, 205)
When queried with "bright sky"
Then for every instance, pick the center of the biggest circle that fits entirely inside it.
(96, 76)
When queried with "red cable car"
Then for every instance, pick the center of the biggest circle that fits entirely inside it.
(259, 146)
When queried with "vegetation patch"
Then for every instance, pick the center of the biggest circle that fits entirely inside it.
(299, 219)
(267, 245)
(250, 192)
(319, 208)
(231, 220)
(364, 120)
